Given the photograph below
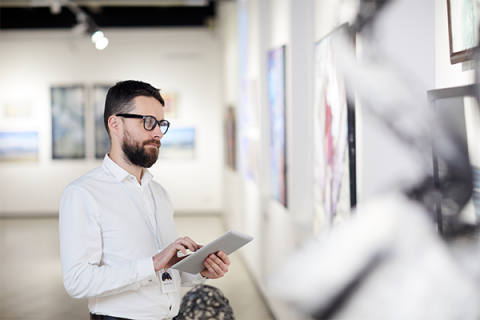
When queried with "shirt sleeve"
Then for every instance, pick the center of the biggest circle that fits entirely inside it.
(191, 280)
(84, 276)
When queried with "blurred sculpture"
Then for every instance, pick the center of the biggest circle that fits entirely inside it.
(389, 261)
(204, 302)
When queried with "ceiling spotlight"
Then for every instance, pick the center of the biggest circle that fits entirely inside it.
(99, 39)
(97, 36)
(101, 43)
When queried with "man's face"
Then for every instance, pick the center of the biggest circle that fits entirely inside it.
(141, 147)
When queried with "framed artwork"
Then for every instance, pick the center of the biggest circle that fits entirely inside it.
(170, 108)
(230, 137)
(277, 113)
(462, 29)
(18, 146)
(334, 139)
(68, 122)
(18, 109)
(102, 141)
(249, 130)
(449, 103)
(178, 144)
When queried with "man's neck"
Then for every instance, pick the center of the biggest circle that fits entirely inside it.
(119, 159)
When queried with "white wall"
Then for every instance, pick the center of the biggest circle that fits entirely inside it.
(184, 61)
(407, 35)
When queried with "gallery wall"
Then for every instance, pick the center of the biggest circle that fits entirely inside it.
(179, 61)
(406, 39)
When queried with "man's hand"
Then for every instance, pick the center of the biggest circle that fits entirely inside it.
(217, 265)
(168, 256)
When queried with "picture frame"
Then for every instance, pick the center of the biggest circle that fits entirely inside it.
(450, 102)
(462, 29)
(68, 122)
(19, 146)
(178, 144)
(278, 133)
(102, 141)
(334, 146)
(170, 108)
(230, 138)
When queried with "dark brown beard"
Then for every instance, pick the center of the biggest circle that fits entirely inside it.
(137, 154)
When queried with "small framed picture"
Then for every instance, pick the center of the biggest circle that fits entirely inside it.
(462, 29)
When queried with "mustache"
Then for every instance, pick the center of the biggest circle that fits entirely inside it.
(153, 141)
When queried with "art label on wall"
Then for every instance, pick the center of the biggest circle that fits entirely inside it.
(230, 138)
(170, 107)
(19, 146)
(102, 141)
(178, 143)
(68, 122)
(332, 180)
(277, 112)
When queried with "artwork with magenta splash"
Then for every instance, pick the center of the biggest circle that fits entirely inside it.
(277, 112)
(102, 141)
(68, 122)
(334, 140)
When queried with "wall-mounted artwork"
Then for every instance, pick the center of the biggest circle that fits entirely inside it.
(68, 122)
(462, 29)
(170, 107)
(18, 109)
(277, 112)
(178, 143)
(102, 142)
(334, 139)
(18, 146)
(249, 130)
(230, 137)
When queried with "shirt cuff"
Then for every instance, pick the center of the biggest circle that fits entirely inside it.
(145, 268)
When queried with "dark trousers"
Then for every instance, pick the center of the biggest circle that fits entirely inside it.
(100, 317)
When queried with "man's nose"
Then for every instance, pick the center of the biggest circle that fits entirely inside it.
(157, 132)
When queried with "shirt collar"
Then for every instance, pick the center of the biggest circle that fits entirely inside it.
(120, 174)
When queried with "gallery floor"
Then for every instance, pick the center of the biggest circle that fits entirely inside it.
(31, 285)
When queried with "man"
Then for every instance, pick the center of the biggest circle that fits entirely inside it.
(117, 232)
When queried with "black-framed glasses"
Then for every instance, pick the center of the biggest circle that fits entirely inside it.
(149, 122)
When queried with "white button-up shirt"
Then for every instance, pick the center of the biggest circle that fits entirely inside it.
(106, 246)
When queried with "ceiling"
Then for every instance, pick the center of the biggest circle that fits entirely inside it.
(58, 14)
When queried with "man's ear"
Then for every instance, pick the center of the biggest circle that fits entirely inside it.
(114, 125)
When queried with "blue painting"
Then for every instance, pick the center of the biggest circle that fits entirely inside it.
(18, 146)
(178, 143)
(277, 109)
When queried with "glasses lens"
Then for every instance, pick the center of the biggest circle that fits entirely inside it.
(164, 126)
(149, 122)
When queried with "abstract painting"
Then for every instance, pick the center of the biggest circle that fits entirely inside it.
(178, 143)
(230, 137)
(332, 195)
(68, 122)
(277, 113)
(19, 146)
(102, 141)
(170, 107)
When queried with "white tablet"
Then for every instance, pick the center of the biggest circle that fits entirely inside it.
(228, 243)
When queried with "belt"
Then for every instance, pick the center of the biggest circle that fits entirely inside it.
(102, 317)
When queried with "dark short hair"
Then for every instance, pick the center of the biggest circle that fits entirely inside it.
(120, 96)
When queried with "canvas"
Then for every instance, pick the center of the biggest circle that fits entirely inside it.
(68, 122)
